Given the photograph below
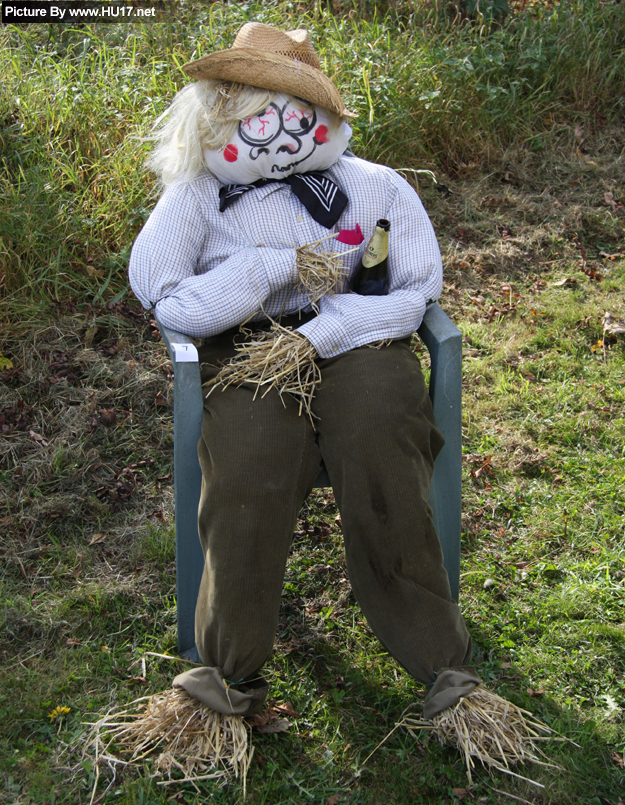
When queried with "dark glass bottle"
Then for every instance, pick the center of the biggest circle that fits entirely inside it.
(370, 277)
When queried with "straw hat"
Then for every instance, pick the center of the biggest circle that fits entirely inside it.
(265, 57)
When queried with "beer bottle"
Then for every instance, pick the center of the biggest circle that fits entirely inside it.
(371, 275)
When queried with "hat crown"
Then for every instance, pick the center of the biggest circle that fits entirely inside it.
(265, 57)
(296, 45)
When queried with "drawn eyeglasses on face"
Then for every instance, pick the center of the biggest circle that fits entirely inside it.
(294, 119)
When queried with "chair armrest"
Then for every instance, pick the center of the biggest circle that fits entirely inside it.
(439, 333)
(172, 337)
(187, 382)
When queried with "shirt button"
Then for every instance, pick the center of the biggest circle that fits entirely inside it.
(299, 219)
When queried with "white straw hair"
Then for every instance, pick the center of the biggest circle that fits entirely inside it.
(202, 115)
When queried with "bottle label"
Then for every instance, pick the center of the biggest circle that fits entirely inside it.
(377, 250)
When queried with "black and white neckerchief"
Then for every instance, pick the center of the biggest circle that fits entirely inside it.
(324, 200)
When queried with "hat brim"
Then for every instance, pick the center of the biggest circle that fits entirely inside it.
(270, 71)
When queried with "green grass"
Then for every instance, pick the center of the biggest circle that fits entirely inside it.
(521, 121)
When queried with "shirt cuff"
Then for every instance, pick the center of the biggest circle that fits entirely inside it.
(327, 335)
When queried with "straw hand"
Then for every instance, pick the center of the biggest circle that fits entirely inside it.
(279, 358)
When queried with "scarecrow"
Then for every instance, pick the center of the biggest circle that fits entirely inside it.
(257, 176)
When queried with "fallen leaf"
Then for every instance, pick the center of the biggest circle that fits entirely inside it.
(99, 536)
(505, 664)
(461, 793)
(531, 692)
(609, 200)
(485, 468)
(37, 437)
(279, 725)
(72, 641)
(286, 709)
(565, 281)
(612, 325)
(94, 272)
(618, 759)
(332, 800)
(259, 719)
(590, 272)
(108, 417)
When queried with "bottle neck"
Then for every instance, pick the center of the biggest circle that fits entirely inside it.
(377, 250)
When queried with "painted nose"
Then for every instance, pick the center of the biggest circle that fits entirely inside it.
(289, 148)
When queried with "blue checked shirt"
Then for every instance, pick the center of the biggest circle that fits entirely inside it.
(204, 271)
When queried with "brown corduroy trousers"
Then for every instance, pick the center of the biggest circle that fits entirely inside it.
(375, 432)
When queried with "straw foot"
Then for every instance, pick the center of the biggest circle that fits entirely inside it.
(183, 736)
(483, 726)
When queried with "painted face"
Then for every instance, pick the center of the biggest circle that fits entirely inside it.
(288, 137)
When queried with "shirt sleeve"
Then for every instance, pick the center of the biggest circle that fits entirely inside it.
(347, 321)
(164, 264)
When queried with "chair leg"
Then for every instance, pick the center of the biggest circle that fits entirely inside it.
(444, 342)
(187, 486)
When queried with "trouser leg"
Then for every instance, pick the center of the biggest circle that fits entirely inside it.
(259, 460)
(378, 441)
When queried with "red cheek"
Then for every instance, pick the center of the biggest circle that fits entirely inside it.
(231, 153)
(321, 134)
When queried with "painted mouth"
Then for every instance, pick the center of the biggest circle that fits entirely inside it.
(294, 164)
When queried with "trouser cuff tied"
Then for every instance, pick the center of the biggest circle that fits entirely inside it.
(208, 686)
(450, 686)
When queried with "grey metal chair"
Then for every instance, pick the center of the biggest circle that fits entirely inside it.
(444, 343)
